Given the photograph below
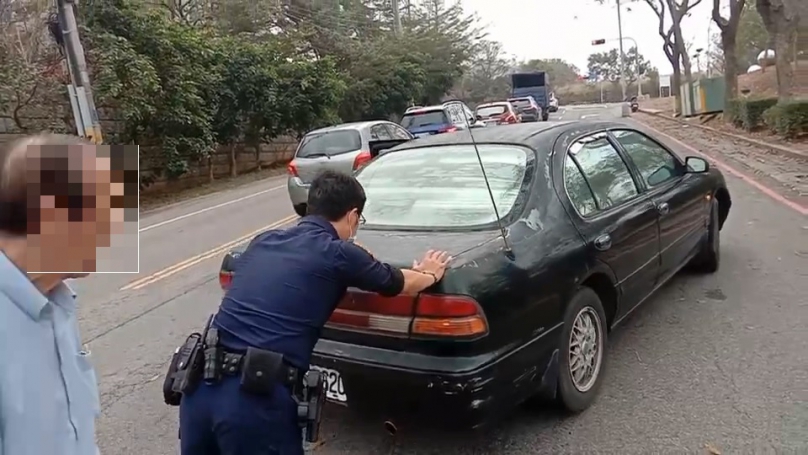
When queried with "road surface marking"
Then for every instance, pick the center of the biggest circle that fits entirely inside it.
(761, 187)
(171, 270)
(208, 209)
(589, 115)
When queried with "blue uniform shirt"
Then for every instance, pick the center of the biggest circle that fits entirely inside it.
(48, 391)
(288, 282)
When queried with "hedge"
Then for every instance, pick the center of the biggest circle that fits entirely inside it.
(788, 119)
(750, 112)
(732, 112)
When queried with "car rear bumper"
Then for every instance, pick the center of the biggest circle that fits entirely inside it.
(456, 393)
(298, 191)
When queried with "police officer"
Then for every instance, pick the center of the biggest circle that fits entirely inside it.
(287, 284)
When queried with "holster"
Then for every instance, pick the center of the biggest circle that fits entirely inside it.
(310, 405)
(186, 368)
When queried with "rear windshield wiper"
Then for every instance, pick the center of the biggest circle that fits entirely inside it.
(316, 155)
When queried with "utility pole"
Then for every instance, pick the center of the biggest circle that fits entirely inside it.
(396, 17)
(622, 55)
(87, 122)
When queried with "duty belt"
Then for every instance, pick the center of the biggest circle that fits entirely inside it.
(288, 375)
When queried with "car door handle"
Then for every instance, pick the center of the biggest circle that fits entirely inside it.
(604, 242)
(663, 208)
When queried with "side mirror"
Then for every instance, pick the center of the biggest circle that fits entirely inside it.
(479, 118)
(696, 165)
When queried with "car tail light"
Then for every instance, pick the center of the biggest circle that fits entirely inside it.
(448, 129)
(291, 169)
(225, 278)
(362, 159)
(508, 118)
(425, 315)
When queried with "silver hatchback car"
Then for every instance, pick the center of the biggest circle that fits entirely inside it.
(342, 148)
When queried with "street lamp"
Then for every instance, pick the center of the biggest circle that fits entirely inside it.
(598, 42)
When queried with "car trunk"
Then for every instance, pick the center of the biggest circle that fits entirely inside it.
(400, 249)
(426, 123)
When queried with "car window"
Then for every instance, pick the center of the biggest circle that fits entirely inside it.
(521, 104)
(604, 169)
(577, 188)
(379, 133)
(397, 132)
(329, 143)
(656, 165)
(422, 119)
(455, 114)
(442, 187)
(491, 111)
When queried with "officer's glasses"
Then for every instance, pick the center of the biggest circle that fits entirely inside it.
(361, 219)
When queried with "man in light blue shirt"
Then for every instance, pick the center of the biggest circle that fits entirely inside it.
(55, 210)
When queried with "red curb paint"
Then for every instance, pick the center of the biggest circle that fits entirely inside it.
(762, 188)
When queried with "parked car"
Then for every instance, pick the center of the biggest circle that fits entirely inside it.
(597, 217)
(342, 148)
(499, 113)
(552, 104)
(444, 118)
(527, 108)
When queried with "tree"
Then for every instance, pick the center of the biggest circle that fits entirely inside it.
(729, 32)
(751, 38)
(781, 19)
(607, 64)
(487, 78)
(559, 72)
(674, 45)
(30, 67)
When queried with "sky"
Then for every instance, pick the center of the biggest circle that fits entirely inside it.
(541, 29)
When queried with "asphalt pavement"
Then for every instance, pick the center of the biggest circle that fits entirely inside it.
(715, 361)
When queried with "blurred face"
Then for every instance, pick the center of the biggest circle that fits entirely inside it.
(71, 229)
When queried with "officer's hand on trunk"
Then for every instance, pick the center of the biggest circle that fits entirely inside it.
(433, 263)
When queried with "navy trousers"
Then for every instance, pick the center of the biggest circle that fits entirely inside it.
(221, 419)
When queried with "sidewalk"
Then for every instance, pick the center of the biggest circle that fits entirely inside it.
(797, 150)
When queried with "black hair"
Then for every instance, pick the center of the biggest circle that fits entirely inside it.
(333, 194)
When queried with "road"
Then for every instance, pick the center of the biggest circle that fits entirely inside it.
(720, 360)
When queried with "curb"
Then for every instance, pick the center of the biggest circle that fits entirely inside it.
(779, 148)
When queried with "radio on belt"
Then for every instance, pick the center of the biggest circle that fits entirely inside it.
(310, 408)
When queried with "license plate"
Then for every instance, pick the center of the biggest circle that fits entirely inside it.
(334, 390)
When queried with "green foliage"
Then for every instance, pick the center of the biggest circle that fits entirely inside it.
(607, 64)
(184, 80)
(559, 72)
(732, 112)
(788, 119)
(750, 112)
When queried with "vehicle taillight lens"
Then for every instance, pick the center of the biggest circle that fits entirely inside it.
(508, 118)
(291, 169)
(225, 278)
(362, 159)
(448, 129)
(425, 315)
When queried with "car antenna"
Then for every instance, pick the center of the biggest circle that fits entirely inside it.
(508, 249)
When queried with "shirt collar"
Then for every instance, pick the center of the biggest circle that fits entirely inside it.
(20, 290)
(321, 222)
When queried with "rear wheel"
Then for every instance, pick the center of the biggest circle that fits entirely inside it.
(544, 116)
(583, 351)
(300, 209)
(708, 259)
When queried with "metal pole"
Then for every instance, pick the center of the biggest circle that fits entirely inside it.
(74, 53)
(396, 17)
(622, 55)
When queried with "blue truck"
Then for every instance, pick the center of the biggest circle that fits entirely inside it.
(532, 85)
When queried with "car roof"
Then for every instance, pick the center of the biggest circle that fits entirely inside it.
(494, 103)
(521, 133)
(347, 126)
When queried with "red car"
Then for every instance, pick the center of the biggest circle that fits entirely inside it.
(498, 113)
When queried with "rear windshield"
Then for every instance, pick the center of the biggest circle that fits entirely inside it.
(329, 143)
(521, 104)
(420, 119)
(491, 111)
(442, 187)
